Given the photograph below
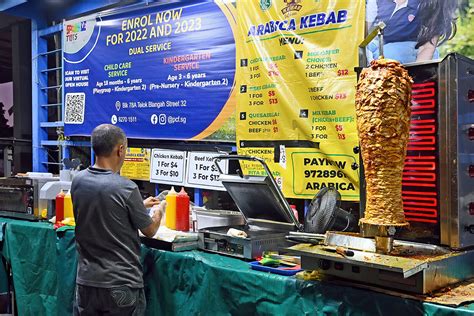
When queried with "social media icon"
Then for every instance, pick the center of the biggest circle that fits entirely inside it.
(162, 119)
(154, 119)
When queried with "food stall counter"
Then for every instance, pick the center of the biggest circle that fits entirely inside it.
(43, 262)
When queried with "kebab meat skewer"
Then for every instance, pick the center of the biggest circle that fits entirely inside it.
(383, 120)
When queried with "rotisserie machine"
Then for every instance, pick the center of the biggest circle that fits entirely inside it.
(437, 249)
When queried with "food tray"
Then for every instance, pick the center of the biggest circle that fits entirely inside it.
(282, 269)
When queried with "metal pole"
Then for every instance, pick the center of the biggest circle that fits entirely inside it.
(7, 161)
(380, 34)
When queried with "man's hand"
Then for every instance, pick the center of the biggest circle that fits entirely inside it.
(160, 208)
(151, 201)
(157, 213)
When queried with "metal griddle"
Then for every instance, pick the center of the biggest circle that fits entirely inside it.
(412, 267)
(267, 214)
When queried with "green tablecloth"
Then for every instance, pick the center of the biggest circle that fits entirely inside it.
(3, 279)
(189, 283)
(3, 272)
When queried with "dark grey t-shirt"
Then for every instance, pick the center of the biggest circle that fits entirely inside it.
(109, 211)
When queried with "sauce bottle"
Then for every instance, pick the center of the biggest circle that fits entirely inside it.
(295, 211)
(182, 211)
(60, 206)
(171, 209)
(68, 205)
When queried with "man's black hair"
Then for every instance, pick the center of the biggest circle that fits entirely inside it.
(105, 137)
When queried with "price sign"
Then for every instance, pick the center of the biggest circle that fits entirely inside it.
(167, 166)
(202, 173)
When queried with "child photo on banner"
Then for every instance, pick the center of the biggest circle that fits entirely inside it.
(414, 28)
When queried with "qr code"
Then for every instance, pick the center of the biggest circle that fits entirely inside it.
(74, 108)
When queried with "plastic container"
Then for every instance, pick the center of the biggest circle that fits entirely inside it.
(182, 211)
(171, 209)
(282, 270)
(60, 206)
(68, 212)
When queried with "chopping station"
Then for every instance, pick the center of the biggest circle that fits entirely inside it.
(437, 190)
(236, 157)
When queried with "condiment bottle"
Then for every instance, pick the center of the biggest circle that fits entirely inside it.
(171, 209)
(60, 206)
(295, 211)
(68, 205)
(182, 211)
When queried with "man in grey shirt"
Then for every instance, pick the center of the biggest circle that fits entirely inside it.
(109, 211)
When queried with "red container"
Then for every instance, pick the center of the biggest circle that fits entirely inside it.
(182, 211)
(60, 206)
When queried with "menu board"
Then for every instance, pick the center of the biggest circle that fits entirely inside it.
(168, 166)
(296, 93)
(160, 71)
(201, 172)
(190, 169)
(137, 164)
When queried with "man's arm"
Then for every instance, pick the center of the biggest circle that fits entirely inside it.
(151, 229)
(139, 216)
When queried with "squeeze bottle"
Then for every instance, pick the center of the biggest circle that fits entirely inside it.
(182, 211)
(171, 209)
(295, 211)
(68, 205)
(60, 206)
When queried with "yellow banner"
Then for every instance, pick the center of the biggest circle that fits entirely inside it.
(137, 164)
(296, 83)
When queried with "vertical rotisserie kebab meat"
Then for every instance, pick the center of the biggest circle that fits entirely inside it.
(383, 121)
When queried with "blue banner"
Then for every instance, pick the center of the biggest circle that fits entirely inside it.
(163, 72)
